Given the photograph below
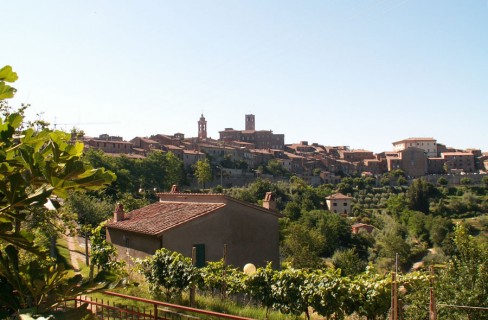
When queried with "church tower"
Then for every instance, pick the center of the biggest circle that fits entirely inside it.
(250, 124)
(202, 128)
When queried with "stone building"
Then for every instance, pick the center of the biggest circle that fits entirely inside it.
(428, 145)
(262, 139)
(339, 203)
(181, 221)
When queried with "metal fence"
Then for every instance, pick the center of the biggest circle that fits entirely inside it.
(155, 310)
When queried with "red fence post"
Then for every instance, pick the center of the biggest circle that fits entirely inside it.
(155, 312)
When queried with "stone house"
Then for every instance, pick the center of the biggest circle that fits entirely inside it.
(361, 227)
(181, 221)
(109, 146)
(145, 144)
(462, 161)
(339, 203)
(428, 145)
(190, 157)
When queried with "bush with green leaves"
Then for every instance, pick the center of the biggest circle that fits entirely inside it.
(168, 272)
(103, 254)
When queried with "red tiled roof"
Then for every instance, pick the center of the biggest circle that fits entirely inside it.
(457, 154)
(161, 216)
(357, 225)
(193, 152)
(415, 139)
(337, 196)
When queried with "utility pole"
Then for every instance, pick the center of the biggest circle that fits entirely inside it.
(193, 288)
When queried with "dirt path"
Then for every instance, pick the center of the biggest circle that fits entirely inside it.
(74, 254)
(419, 264)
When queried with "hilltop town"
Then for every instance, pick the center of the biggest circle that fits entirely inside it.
(238, 156)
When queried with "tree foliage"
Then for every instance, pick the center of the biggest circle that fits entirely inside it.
(103, 254)
(203, 171)
(464, 280)
(37, 167)
(418, 195)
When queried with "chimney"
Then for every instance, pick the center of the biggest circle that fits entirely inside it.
(119, 212)
(174, 189)
(269, 202)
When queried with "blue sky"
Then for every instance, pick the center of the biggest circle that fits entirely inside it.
(357, 73)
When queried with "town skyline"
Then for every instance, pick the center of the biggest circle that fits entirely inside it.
(361, 74)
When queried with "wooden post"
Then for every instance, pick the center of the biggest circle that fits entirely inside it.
(87, 254)
(432, 304)
(155, 312)
(192, 289)
(224, 273)
(394, 298)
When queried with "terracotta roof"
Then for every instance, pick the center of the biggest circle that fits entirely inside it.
(193, 152)
(358, 151)
(161, 216)
(415, 139)
(127, 155)
(169, 146)
(337, 196)
(357, 225)
(292, 155)
(457, 154)
(111, 141)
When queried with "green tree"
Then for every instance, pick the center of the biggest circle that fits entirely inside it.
(90, 210)
(418, 195)
(391, 240)
(37, 166)
(274, 167)
(385, 181)
(465, 181)
(442, 181)
(302, 246)
(103, 254)
(464, 281)
(396, 204)
(335, 230)
(349, 262)
(401, 181)
(484, 180)
(440, 229)
(203, 171)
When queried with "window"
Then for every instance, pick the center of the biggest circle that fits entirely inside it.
(345, 204)
(335, 204)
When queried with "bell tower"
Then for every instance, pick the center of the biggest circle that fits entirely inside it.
(202, 128)
(250, 123)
